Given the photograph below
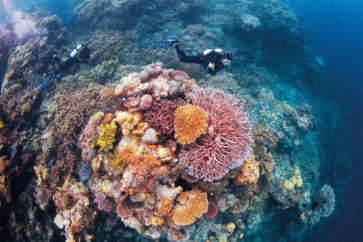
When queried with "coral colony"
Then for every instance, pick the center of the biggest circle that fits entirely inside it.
(137, 157)
(137, 146)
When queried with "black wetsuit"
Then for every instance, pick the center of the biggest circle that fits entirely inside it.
(82, 56)
(212, 57)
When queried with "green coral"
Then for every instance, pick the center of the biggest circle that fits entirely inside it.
(106, 138)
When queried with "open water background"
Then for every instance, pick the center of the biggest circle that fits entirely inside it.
(335, 27)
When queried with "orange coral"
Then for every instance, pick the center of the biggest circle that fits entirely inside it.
(139, 130)
(250, 172)
(10, 74)
(128, 155)
(190, 122)
(191, 204)
(166, 206)
(128, 121)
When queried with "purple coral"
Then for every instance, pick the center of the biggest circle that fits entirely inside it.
(102, 203)
(226, 144)
(84, 172)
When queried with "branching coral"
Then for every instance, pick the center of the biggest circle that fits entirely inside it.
(227, 142)
(190, 122)
(191, 205)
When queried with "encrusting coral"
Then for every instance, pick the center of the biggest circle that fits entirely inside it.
(250, 172)
(190, 122)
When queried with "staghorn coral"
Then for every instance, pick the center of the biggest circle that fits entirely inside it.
(227, 142)
(190, 122)
(191, 204)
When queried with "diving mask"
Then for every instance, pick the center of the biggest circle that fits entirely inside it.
(227, 63)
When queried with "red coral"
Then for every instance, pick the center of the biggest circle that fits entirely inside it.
(123, 211)
(212, 210)
(181, 73)
(228, 139)
(161, 116)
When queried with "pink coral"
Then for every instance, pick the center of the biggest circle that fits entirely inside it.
(123, 212)
(146, 101)
(161, 116)
(225, 145)
(102, 203)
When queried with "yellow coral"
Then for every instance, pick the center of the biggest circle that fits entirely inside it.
(295, 181)
(157, 221)
(139, 131)
(41, 173)
(2, 125)
(230, 227)
(191, 204)
(190, 122)
(288, 185)
(118, 162)
(106, 138)
(128, 121)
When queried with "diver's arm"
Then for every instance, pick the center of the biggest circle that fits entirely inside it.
(211, 68)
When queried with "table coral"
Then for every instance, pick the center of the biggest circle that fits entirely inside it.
(190, 122)
(227, 142)
(191, 205)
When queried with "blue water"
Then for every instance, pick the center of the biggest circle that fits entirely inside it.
(336, 28)
(62, 8)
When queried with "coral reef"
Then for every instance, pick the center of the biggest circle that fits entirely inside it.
(126, 149)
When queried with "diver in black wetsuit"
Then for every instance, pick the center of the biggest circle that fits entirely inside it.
(213, 61)
(81, 54)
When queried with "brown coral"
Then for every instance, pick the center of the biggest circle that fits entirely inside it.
(191, 204)
(190, 122)
(250, 172)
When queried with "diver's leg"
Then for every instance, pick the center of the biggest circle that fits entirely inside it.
(189, 59)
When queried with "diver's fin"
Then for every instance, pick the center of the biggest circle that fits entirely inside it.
(45, 82)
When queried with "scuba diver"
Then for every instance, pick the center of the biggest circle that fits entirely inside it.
(81, 54)
(212, 61)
